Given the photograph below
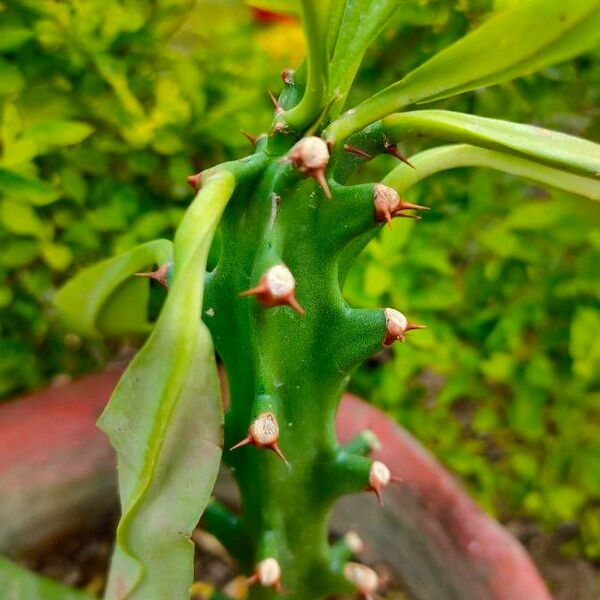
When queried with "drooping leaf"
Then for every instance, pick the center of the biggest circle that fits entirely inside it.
(526, 37)
(550, 147)
(17, 583)
(99, 299)
(164, 420)
(462, 155)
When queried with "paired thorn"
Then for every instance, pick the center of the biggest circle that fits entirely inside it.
(363, 578)
(278, 108)
(393, 149)
(357, 151)
(263, 433)
(310, 155)
(396, 326)
(194, 181)
(388, 205)
(161, 274)
(276, 287)
(267, 574)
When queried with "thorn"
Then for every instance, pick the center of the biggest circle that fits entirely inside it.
(396, 326)
(364, 578)
(287, 76)
(264, 433)
(310, 155)
(275, 447)
(161, 274)
(379, 478)
(319, 177)
(388, 204)
(194, 181)
(357, 151)
(278, 109)
(277, 287)
(392, 149)
(244, 442)
(251, 138)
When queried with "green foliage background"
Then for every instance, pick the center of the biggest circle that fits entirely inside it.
(107, 106)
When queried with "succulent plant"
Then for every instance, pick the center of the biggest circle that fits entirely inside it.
(291, 225)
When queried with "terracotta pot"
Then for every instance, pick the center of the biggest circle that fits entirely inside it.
(57, 475)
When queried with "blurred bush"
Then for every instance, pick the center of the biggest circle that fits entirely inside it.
(106, 106)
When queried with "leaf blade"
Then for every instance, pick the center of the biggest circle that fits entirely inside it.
(526, 37)
(164, 420)
(556, 149)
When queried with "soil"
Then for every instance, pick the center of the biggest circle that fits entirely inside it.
(82, 561)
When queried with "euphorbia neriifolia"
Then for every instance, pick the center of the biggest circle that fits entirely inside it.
(272, 309)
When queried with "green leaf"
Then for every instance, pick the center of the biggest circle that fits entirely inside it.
(81, 300)
(164, 420)
(11, 80)
(525, 38)
(48, 135)
(442, 158)
(549, 147)
(21, 219)
(361, 22)
(284, 7)
(18, 583)
(13, 36)
(21, 187)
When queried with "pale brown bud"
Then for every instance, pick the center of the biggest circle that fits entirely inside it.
(276, 287)
(268, 574)
(310, 155)
(263, 433)
(396, 326)
(363, 578)
(354, 542)
(388, 204)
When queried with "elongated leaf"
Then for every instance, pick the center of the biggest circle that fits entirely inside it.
(550, 147)
(105, 299)
(17, 583)
(284, 7)
(361, 22)
(528, 36)
(164, 420)
(462, 155)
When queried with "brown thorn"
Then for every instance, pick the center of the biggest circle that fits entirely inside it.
(251, 138)
(402, 205)
(319, 176)
(412, 326)
(392, 149)
(293, 303)
(247, 440)
(252, 579)
(278, 109)
(261, 288)
(275, 448)
(396, 479)
(357, 151)
(159, 275)
(403, 216)
(378, 494)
